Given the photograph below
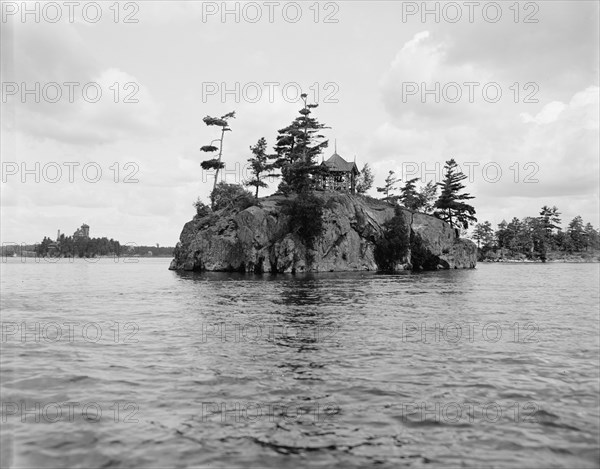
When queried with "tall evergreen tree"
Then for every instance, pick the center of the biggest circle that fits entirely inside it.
(533, 232)
(259, 163)
(514, 234)
(216, 163)
(576, 233)
(549, 221)
(409, 196)
(427, 196)
(591, 237)
(389, 187)
(501, 235)
(550, 218)
(483, 234)
(297, 150)
(450, 205)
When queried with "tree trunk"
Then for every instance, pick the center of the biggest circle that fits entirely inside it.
(220, 153)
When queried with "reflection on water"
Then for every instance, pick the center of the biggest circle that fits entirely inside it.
(493, 367)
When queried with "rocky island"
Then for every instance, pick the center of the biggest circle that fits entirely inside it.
(259, 239)
(321, 219)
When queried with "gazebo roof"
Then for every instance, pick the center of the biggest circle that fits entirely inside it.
(338, 164)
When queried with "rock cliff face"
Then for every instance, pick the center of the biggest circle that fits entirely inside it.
(257, 239)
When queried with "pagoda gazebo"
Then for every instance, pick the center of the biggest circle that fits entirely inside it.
(342, 175)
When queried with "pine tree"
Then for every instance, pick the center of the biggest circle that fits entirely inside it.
(483, 234)
(216, 163)
(409, 196)
(297, 150)
(259, 165)
(450, 205)
(427, 196)
(502, 235)
(535, 236)
(576, 233)
(591, 237)
(389, 187)
(514, 236)
(550, 221)
(550, 218)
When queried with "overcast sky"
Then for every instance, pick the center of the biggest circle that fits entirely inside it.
(366, 63)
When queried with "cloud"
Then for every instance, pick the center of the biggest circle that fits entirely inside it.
(55, 88)
(422, 83)
(559, 50)
(549, 113)
(544, 152)
(93, 117)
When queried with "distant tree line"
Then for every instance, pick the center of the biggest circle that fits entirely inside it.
(134, 250)
(535, 237)
(69, 246)
(14, 249)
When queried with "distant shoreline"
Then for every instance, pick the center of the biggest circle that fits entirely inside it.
(591, 256)
(32, 255)
(531, 261)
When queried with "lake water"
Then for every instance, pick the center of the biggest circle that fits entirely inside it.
(132, 365)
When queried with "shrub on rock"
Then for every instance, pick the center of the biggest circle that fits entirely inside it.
(231, 196)
(393, 245)
(306, 217)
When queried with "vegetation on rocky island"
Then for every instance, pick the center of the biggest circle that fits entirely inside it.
(227, 196)
(392, 247)
(260, 166)
(451, 205)
(215, 162)
(297, 150)
(305, 217)
(365, 180)
(295, 156)
(295, 160)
